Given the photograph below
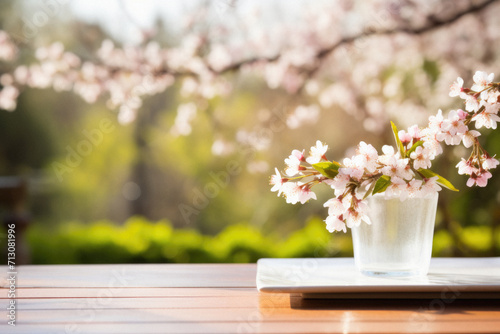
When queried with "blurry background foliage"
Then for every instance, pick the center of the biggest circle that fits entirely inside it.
(142, 241)
(121, 203)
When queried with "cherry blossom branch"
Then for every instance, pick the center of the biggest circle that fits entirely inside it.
(129, 74)
(325, 52)
(435, 24)
(402, 171)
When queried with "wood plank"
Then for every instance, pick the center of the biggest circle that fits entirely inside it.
(135, 275)
(108, 301)
(238, 314)
(107, 298)
(227, 308)
(217, 298)
(345, 325)
(31, 293)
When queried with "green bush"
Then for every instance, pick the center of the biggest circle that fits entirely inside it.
(141, 241)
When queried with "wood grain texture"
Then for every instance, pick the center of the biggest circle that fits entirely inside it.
(135, 275)
(346, 325)
(215, 298)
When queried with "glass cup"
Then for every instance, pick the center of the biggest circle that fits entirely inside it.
(399, 240)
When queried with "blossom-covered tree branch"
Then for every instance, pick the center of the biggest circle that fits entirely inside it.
(127, 75)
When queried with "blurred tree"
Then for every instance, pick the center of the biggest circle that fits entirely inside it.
(260, 85)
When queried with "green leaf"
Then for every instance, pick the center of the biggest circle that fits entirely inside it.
(370, 190)
(427, 173)
(399, 144)
(381, 185)
(414, 147)
(329, 169)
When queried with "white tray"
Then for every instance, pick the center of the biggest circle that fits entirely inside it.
(448, 278)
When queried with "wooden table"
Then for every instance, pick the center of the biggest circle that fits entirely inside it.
(212, 298)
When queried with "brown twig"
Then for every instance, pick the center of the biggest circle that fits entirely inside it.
(435, 23)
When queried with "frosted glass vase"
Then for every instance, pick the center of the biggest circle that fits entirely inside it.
(399, 240)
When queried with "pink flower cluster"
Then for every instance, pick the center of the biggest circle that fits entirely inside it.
(125, 75)
(351, 180)
(9, 93)
(8, 49)
(399, 172)
(482, 104)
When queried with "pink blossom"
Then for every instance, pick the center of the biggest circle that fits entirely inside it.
(8, 50)
(490, 96)
(421, 158)
(6, 79)
(490, 162)
(356, 212)
(354, 168)
(450, 139)
(399, 168)
(317, 153)
(429, 187)
(466, 167)
(335, 206)
(434, 147)
(363, 209)
(462, 114)
(277, 182)
(454, 124)
(292, 165)
(219, 57)
(339, 182)
(299, 154)
(456, 88)
(480, 179)
(274, 74)
(126, 114)
(21, 74)
(353, 217)
(291, 191)
(486, 119)
(305, 193)
(221, 147)
(303, 115)
(186, 113)
(397, 188)
(52, 52)
(369, 156)
(333, 223)
(453, 129)
(404, 137)
(491, 108)
(297, 192)
(481, 80)
(8, 98)
(413, 188)
(469, 138)
(435, 121)
(415, 132)
(389, 155)
(388, 150)
(471, 103)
